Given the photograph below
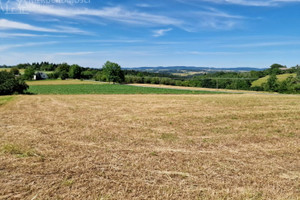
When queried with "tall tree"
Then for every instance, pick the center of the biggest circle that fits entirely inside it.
(113, 72)
(298, 73)
(272, 84)
(75, 72)
(276, 68)
(28, 74)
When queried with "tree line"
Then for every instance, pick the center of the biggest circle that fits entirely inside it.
(112, 72)
(233, 80)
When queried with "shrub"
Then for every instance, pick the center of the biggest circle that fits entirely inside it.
(29, 73)
(257, 88)
(297, 88)
(53, 75)
(9, 84)
(15, 71)
(64, 75)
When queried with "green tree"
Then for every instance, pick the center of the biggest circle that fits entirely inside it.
(275, 69)
(298, 73)
(287, 86)
(63, 75)
(29, 73)
(15, 71)
(113, 72)
(272, 84)
(75, 72)
(9, 84)
(99, 76)
(87, 74)
(63, 67)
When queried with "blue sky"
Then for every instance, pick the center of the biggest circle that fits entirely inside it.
(134, 33)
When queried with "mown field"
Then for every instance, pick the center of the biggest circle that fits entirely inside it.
(97, 88)
(226, 146)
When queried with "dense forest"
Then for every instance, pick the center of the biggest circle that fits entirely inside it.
(225, 80)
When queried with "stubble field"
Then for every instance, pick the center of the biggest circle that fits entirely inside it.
(236, 146)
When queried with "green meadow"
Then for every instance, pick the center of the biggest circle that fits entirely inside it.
(107, 89)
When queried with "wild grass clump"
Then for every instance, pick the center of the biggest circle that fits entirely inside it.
(19, 151)
(5, 99)
(168, 137)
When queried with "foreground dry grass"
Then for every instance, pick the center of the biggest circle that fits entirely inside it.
(150, 147)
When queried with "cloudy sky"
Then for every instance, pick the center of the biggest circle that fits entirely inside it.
(134, 33)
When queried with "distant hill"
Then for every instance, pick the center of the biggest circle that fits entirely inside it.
(186, 69)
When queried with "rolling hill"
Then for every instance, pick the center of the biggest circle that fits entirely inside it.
(280, 77)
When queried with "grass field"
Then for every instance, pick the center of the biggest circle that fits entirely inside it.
(8, 69)
(150, 147)
(107, 89)
(64, 82)
(280, 77)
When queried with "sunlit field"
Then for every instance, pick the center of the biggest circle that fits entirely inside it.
(108, 89)
(64, 82)
(224, 146)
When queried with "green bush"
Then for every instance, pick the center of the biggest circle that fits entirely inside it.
(29, 73)
(9, 84)
(257, 88)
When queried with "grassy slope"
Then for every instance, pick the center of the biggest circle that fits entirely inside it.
(280, 77)
(107, 89)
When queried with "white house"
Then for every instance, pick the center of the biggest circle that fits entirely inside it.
(40, 76)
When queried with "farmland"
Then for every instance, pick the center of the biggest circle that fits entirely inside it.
(225, 146)
(63, 82)
(8, 69)
(49, 87)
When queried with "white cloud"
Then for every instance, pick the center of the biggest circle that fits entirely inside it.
(262, 44)
(12, 46)
(161, 32)
(213, 12)
(7, 24)
(144, 5)
(209, 18)
(10, 35)
(245, 2)
(118, 13)
(16, 35)
(189, 21)
(74, 53)
(13, 25)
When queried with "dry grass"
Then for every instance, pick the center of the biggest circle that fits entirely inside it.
(8, 69)
(63, 82)
(197, 88)
(150, 147)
